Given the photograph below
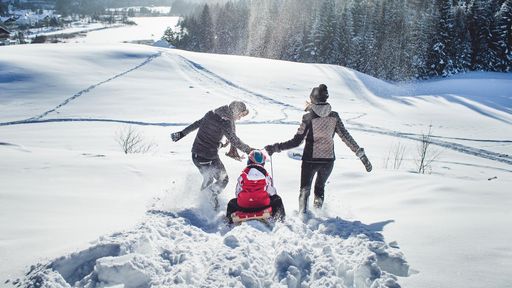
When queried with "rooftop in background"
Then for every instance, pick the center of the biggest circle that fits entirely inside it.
(4, 30)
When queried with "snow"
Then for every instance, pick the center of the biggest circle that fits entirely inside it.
(154, 9)
(75, 208)
(147, 28)
(76, 27)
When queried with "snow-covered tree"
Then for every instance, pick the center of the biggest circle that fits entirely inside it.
(206, 30)
(461, 39)
(390, 39)
(502, 38)
(442, 52)
(480, 32)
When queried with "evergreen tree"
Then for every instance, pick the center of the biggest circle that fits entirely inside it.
(170, 36)
(423, 26)
(296, 48)
(326, 41)
(224, 30)
(462, 39)
(260, 28)
(313, 38)
(442, 52)
(64, 7)
(479, 29)
(3, 8)
(365, 17)
(205, 31)
(240, 27)
(345, 35)
(502, 38)
(392, 58)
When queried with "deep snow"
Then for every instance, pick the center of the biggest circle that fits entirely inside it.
(65, 182)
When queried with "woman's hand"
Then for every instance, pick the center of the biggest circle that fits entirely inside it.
(362, 156)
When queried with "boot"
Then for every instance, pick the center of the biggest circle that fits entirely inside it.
(303, 202)
(215, 202)
(318, 202)
(213, 194)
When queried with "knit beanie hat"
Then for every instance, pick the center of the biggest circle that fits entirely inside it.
(238, 108)
(256, 157)
(319, 94)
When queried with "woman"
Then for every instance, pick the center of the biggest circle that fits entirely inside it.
(318, 127)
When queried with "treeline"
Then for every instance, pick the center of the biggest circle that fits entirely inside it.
(389, 39)
(3, 8)
(81, 7)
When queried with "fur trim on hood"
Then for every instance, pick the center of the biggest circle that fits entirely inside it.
(322, 109)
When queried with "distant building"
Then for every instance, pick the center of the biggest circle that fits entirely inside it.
(4, 35)
(8, 21)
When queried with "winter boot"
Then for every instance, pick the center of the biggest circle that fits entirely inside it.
(318, 202)
(213, 194)
(215, 203)
(303, 201)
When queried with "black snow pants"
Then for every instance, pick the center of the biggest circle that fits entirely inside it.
(309, 169)
(215, 177)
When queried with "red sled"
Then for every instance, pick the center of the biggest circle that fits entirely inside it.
(263, 215)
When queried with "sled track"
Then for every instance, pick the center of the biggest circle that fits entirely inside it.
(88, 89)
(500, 157)
(215, 78)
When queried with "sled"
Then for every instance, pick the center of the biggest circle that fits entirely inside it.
(296, 154)
(263, 216)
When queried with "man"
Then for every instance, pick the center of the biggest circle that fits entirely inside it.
(318, 127)
(212, 127)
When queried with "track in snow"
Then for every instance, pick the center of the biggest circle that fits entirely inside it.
(88, 89)
(222, 83)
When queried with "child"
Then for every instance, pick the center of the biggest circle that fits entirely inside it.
(255, 190)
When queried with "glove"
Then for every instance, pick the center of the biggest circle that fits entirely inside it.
(366, 163)
(271, 149)
(177, 136)
(233, 153)
(362, 156)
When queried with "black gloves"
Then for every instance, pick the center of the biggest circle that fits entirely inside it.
(271, 149)
(177, 136)
(233, 153)
(362, 156)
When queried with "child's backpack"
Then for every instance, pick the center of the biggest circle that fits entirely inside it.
(253, 194)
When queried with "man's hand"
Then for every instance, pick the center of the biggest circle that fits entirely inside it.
(177, 136)
(233, 153)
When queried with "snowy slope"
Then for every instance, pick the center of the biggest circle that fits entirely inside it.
(65, 182)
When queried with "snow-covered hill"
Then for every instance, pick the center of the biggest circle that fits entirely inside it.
(65, 182)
